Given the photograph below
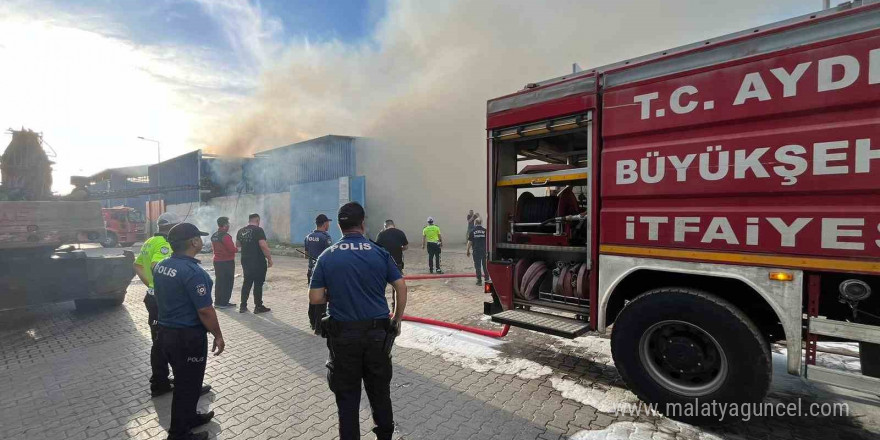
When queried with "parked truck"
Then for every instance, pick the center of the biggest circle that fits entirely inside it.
(700, 203)
(124, 226)
(35, 267)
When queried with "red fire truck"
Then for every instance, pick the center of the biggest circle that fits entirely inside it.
(124, 225)
(705, 201)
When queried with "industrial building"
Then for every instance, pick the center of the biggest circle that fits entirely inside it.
(290, 185)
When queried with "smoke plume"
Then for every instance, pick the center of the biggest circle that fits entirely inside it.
(418, 88)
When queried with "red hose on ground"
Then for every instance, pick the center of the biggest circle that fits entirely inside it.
(452, 325)
(432, 276)
(476, 330)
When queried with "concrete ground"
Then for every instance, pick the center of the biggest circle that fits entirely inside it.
(71, 375)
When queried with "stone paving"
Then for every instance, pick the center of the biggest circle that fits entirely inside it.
(66, 374)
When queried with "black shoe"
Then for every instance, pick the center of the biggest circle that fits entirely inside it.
(205, 390)
(479, 283)
(432, 270)
(242, 309)
(160, 390)
(261, 309)
(203, 419)
(222, 306)
(439, 271)
(192, 436)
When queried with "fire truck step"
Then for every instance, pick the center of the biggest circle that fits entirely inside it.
(843, 379)
(543, 322)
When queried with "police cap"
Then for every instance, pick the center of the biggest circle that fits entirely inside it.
(184, 231)
(351, 215)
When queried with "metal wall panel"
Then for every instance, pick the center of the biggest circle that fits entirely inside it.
(325, 158)
(309, 199)
(181, 170)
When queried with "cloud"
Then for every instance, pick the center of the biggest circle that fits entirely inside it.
(92, 92)
(419, 86)
(252, 33)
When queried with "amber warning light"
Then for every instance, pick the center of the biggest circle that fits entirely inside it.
(781, 276)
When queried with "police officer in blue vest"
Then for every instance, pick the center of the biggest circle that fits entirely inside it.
(315, 243)
(351, 275)
(186, 313)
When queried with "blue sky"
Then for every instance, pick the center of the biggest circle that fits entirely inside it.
(192, 23)
(188, 22)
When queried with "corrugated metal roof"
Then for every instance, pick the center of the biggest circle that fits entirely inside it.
(181, 170)
(324, 158)
(134, 171)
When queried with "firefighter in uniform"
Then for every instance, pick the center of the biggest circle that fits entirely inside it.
(186, 313)
(477, 241)
(315, 243)
(351, 275)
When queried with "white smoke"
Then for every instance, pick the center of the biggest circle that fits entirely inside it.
(419, 86)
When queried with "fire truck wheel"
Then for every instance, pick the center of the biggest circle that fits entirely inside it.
(681, 347)
(110, 241)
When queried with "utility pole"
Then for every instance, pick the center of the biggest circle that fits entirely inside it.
(158, 157)
(158, 171)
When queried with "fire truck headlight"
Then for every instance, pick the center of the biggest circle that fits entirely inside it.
(855, 290)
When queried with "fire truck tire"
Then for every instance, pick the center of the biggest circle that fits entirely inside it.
(111, 240)
(683, 346)
(869, 355)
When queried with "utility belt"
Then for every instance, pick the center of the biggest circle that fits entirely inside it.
(183, 330)
(331, 328)
(334, 327)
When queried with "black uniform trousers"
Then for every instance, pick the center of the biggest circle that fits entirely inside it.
(433, 253)
(254, 276)
(158, 361)
(224, 272)
(480, 263)
(316, 311)
(187, 349)
(357, 354)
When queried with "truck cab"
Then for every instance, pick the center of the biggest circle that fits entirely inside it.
(699, 203)
(124, 226)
